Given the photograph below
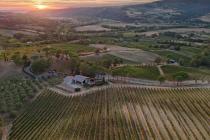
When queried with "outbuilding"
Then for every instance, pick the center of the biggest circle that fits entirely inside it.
(171, 61)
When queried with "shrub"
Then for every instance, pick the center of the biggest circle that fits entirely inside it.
(180, 76)
(40, 66)
(17, 59)
(161, 79)
(13, 114)
(1, 122)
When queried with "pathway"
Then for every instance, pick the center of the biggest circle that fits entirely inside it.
(161, 70)
(5, 132)
(91, 90)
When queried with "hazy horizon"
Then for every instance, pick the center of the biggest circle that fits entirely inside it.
(59, 4)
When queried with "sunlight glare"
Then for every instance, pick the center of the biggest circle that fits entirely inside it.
(41, 6)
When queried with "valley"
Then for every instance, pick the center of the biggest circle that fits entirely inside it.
(128, 72)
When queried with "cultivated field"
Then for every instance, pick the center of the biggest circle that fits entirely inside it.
(118, 113)
(136, 56)
(205, 18)
(194, 73)
(177, 30)
(91, 28)
(129, 54)
(124, 25)
(11, 33)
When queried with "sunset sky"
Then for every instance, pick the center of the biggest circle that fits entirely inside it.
(43, 4)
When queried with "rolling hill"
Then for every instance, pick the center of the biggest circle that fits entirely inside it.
(161, 11)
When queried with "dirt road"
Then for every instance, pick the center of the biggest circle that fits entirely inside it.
(161, 70)
(5, 132)
(111, 85)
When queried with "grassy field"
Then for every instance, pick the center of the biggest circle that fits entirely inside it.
(91, 28)
(146, 72)
(103, 40)
(194, 73)
(76, 48)
(191, 51)
(104, 57)
(118, 113)
(167, 54)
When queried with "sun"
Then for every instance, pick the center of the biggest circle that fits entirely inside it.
(41, 6)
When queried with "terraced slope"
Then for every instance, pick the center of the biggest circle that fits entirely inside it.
(118, 113)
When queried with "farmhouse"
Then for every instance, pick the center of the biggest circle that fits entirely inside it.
(78, 82)
(68, 80)
(69, 85)
(83, 80)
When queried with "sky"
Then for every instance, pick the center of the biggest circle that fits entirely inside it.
(58, 4)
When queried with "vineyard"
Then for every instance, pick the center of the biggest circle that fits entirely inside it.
(117, 113)
(15, 92)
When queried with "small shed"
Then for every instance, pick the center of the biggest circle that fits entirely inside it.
(100, 79)
(171, 61)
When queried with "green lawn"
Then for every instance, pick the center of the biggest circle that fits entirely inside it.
(194, 73)
(146, 72)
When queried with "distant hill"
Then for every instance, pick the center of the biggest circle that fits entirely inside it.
(160, 11)
(94, 12)
(172, 10)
